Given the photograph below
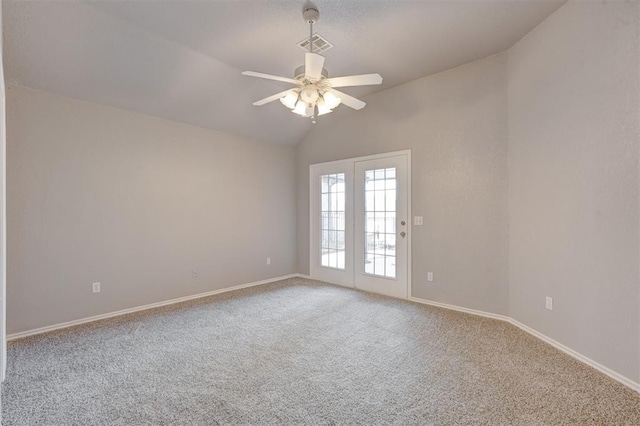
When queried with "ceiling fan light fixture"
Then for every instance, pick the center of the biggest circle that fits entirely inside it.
(300, 109)
(290, 100)
(310, 110)
(331, 100)
(323, 107)
(309, 94)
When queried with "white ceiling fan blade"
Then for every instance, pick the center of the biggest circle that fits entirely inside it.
(270, 77)
(313, 64)
(349, 101)
(271, 98)
(355, 80)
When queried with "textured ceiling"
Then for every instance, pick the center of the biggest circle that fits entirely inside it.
(181, 60)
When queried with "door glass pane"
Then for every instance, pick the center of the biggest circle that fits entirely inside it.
(332, 232)
(390, 198)
(368, 263)
(380, 222)
(369, 200)
(390, 224)
(378, 200)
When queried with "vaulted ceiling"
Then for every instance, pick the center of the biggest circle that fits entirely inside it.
(181, 60)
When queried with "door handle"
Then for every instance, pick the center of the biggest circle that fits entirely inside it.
(403, 234)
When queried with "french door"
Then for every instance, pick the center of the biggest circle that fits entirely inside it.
(359, 223)
(331, 234)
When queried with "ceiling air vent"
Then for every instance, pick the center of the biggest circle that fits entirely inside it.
(320, 44)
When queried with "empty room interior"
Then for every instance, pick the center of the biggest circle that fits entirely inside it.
(339, 212)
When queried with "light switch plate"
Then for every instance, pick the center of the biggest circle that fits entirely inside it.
(417, 220)
(549, 303)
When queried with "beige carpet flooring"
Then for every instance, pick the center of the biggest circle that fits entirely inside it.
(304, 352)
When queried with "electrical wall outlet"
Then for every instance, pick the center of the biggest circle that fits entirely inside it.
(548, 303)
(95, 287)
(430, 277)
(268, 261)
(194, 274)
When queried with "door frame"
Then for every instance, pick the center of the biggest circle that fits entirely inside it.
(312, 168)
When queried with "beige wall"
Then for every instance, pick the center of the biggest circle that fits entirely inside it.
(454, 123)
(135, 202)
(574, 97)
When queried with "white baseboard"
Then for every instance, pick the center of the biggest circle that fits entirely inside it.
(616, 376)
(460, 309)
(577, 355)
(67, 324)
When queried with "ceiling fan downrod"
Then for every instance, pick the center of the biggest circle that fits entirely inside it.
(311, 16)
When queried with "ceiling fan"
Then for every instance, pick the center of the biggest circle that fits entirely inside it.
(315, 92)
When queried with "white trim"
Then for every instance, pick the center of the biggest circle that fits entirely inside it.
(67, 324)
(409, 224)
(577, 355)
(605, 370)
(364, 158)
(460, 309)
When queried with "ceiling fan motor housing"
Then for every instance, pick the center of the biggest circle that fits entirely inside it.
(309, 94)
(311, 15)
(298, 74)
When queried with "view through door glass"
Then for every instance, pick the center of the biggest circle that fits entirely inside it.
(380, 222)
(332, 221)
